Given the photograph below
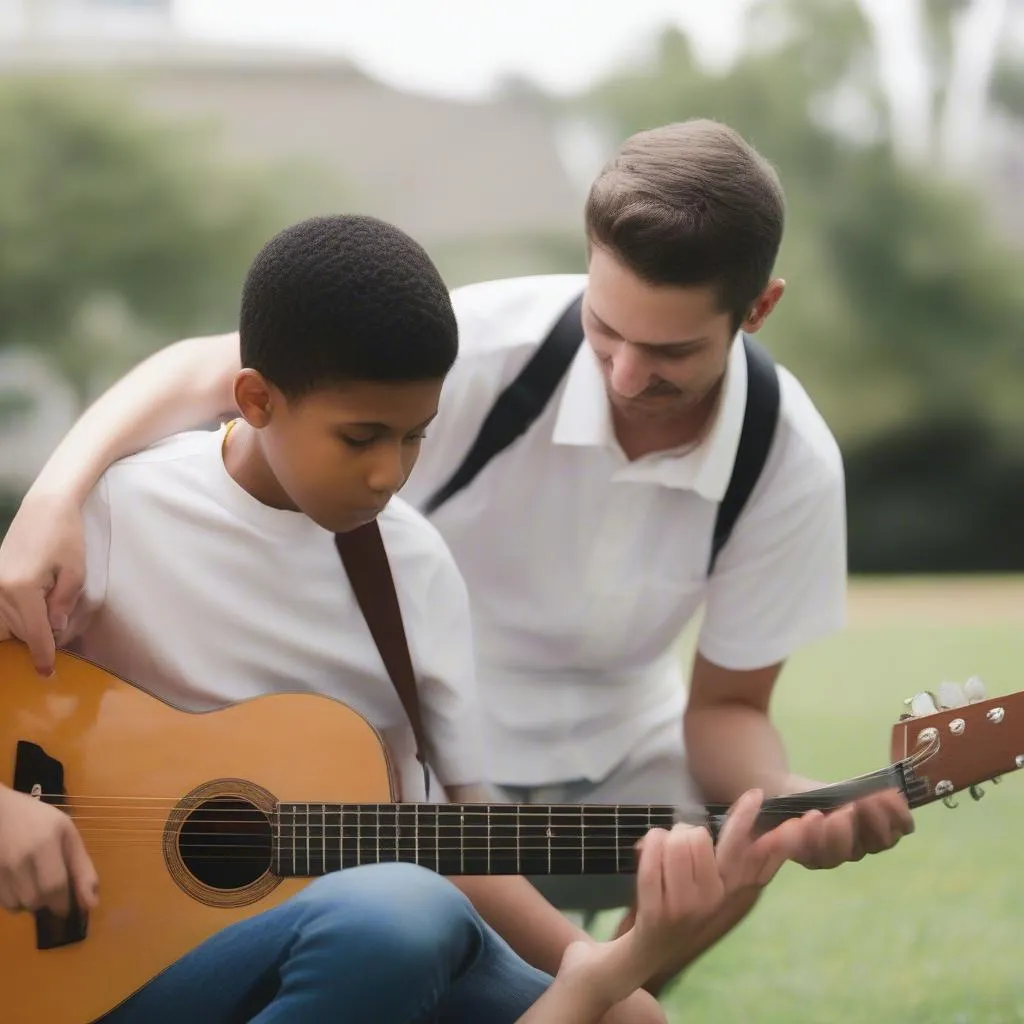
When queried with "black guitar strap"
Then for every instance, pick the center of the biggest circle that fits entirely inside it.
(521, 403)
(365, 560)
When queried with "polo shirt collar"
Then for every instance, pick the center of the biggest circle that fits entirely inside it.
(584, 420)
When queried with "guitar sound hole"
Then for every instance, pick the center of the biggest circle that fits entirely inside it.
(226, 843)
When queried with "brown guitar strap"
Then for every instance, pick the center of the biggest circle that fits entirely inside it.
(366, 563)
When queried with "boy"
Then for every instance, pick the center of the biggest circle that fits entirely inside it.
(212, 577)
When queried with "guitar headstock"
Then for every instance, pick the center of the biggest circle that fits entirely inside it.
(957, 739)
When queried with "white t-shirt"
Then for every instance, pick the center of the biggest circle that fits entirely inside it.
(583, 568)
(202, 595)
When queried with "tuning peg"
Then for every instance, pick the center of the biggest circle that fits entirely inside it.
(976, 791)
(951, 695)
(921, 704)
(974, 690)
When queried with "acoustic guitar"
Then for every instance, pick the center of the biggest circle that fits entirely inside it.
(195, 821)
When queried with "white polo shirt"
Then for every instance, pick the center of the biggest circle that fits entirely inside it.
(204, 596)
(583, 568)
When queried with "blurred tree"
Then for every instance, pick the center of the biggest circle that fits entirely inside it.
(115, 231)
(903, 308)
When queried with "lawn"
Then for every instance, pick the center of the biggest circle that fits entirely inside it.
(931, 931)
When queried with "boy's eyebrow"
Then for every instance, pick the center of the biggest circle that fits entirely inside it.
(374, 425)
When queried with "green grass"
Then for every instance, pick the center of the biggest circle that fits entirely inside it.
(931, 931)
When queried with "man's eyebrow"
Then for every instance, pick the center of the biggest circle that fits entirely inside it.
(661, 346)
(653, 345)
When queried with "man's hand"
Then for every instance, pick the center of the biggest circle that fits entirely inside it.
(869, 825)
(42, 858)
(42, 566)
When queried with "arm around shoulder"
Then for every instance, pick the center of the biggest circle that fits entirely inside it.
(42, 556)
(177, 388)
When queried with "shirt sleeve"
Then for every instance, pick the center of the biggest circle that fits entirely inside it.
(780, 582)
(96, 540)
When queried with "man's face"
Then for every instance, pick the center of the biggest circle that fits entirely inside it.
(663, 349)
(340, 454)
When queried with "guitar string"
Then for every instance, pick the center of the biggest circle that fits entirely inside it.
(425, 818)
(387, 832)
(496, 814)
(797, 801)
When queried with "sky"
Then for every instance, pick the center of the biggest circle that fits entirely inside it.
(463, 47)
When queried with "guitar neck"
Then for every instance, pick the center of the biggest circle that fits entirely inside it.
(510, 839)
(464, 839)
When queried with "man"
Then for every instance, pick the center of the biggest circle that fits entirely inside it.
(585, 543)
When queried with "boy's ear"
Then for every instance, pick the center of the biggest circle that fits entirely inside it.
(255, 398)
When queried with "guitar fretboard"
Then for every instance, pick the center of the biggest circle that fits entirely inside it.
(510, 839)
(463, 839)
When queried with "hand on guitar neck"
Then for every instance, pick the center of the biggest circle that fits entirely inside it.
(683, 879)
(43, 862)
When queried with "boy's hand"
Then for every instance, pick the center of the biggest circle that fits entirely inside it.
(42, 566)
(679, 886)
(42, 858)
(746, 860)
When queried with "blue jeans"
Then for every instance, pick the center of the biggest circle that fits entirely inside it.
(384, 943)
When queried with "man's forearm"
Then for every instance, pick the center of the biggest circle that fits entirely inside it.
(734, 747)
(179, 387)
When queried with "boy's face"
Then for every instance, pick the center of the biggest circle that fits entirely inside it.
(339, 454)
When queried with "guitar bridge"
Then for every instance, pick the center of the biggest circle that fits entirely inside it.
(41, 776)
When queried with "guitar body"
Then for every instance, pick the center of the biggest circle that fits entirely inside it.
(197, 821)
(128, 764)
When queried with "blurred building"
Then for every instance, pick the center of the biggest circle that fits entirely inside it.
(449, 172)
(486, 186)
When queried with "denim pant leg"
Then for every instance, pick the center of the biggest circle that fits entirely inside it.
(387, 942)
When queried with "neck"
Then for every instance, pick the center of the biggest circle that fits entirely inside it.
(246, 465)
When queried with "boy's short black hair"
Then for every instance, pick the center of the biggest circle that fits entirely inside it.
(345, 298)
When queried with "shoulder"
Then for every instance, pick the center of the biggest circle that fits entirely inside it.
(805, 459)
(497, 316)
(187, 458)
(178, 448)
(803, 477)
(810, 445)
(416, 550)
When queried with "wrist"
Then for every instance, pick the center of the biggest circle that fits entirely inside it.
(611, 971)
(55, 489)
(797, 784)
(584, 989)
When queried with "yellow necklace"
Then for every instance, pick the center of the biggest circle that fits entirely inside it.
(227, 434)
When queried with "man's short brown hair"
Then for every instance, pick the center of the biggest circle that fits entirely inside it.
(691, 203)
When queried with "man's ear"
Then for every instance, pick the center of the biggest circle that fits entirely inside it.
(763, 305)
(255, 397)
